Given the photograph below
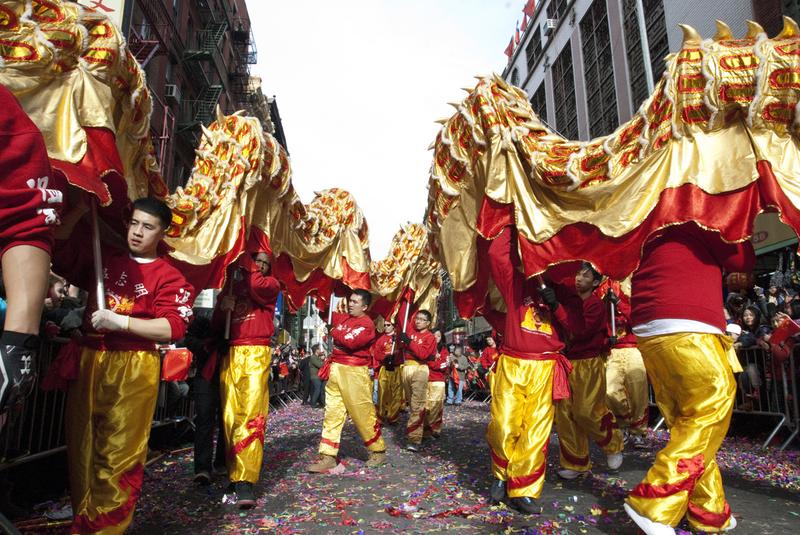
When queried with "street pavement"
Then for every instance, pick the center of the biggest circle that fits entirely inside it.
(442, 488)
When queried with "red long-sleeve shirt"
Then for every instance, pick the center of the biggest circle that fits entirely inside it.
(583, 323)
(488, 357)
(528, 327)
(622, 315)
(422, 346)
(352, 336)
(680, 276)
(437, 369)
(380, 348)
(252, 318)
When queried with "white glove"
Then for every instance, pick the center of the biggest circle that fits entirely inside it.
(105, 320)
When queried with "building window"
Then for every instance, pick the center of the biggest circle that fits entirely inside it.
(515, 77)
(598, 68)
(539, 103)
(533, 50)
(564, 95)
(657, 39)
(556, 9)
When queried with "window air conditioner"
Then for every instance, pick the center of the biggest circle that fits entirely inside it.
(171, 94)
(550, 26)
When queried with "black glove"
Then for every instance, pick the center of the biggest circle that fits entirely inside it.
(388, 363)
(612, 341)
(612, 297)
(549, 297)
(404, 339)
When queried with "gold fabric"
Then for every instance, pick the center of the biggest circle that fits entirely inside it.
(109, 410)
(244, 394)
(585, 415)
(694, 388)
(521, 421)
(434, 407)
(626, 388)
(415, 386)
(721, 106)
(70, 69)
(349, 393)
(390, 395)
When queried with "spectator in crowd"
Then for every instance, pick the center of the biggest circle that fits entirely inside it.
(488, 358)
(755, 331)
(317, 361)
(304, 368)
(459, 364)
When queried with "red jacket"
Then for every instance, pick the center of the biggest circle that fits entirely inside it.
(528, 330)
(680, 276)
(584, 325)
(488, 357)
(252, 319)
(622, 316)
(437, 370)
(353, 337)
(422, 346)
(380, 348)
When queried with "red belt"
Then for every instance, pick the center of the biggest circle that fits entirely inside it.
(349, 360)
(560, 374)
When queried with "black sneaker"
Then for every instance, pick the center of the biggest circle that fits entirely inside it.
(497, 492)
(17, 374)
(526, 505)
(245, 497)
(202, 478)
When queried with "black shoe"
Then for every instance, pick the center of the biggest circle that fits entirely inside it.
(497, 492)
(17, 374)
(245, 497)
(526, 505)
(202, 478)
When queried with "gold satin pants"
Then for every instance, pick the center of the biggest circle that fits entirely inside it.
(109, 411)
(434, 407)
(415, 386)
(585, 415)
(349, 392)
(626, 389)
(521, 421)
(390, 395)
(694, 387)
(244, 394)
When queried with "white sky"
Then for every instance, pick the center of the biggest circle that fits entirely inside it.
(359, 84)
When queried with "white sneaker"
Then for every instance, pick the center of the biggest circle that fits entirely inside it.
(614, 461)
(732, 524)
(566, 473)
(647, 525)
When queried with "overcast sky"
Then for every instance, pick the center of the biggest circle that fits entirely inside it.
(359, 84)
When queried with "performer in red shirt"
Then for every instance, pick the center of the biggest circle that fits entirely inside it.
(677, 316)
(390, 389)
(110, 405)
(420, 348)
(626, 377)
(349, 388)
(27, 217)
(249, 297)
(582, 317)
(437, 375)
(530, 374)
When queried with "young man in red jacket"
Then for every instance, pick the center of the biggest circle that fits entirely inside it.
(677, 316)
(249, 298)
(437, 375)
(349, 389)
(582, 317)
(390, 389)
(420, 348)
(110, 404)
(530, 374)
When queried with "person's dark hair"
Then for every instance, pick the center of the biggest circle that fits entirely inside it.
(795, 309)
(315, 348)
(586, 266)
(366, 297)
(427, 314)
(756, 318)
(441, 343)
(155, 207)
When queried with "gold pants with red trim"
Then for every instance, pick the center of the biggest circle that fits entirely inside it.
(694, 386)
(390, 395)
(521, 421)
(585, 415)
(349, 392)
(434, 407)
(108, 415)
(415, 387)
(244, 394)
(626, 389)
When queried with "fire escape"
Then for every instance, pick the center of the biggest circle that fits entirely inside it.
(245, 47)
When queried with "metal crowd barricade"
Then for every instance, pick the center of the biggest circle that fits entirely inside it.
(765, 388)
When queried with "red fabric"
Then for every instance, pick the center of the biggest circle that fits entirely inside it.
(211, 366)
(707, 518)
(410, 428)
(380, 349)
(352, 337)
(324, 372)
(530, 8)
(488, 357)
(519, 482)
(509, 51)
(330, 443)
(140, 290)
(347, 360)
(283, 369)
(29, 195)
(606, 424)
(681, 276)
(175, 365)
(437, 370)
(693, 468)
(317, 283)
(130, 481)
(584, 323)
(354, 279)
(786, 329)
(252, 319)
(258, 426)
(377, 434)
(573, 459)
(421, 347)
(496, 459)
(258, 242)
(64, 368)
(622, 314)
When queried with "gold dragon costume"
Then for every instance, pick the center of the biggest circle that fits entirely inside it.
(714, 145)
